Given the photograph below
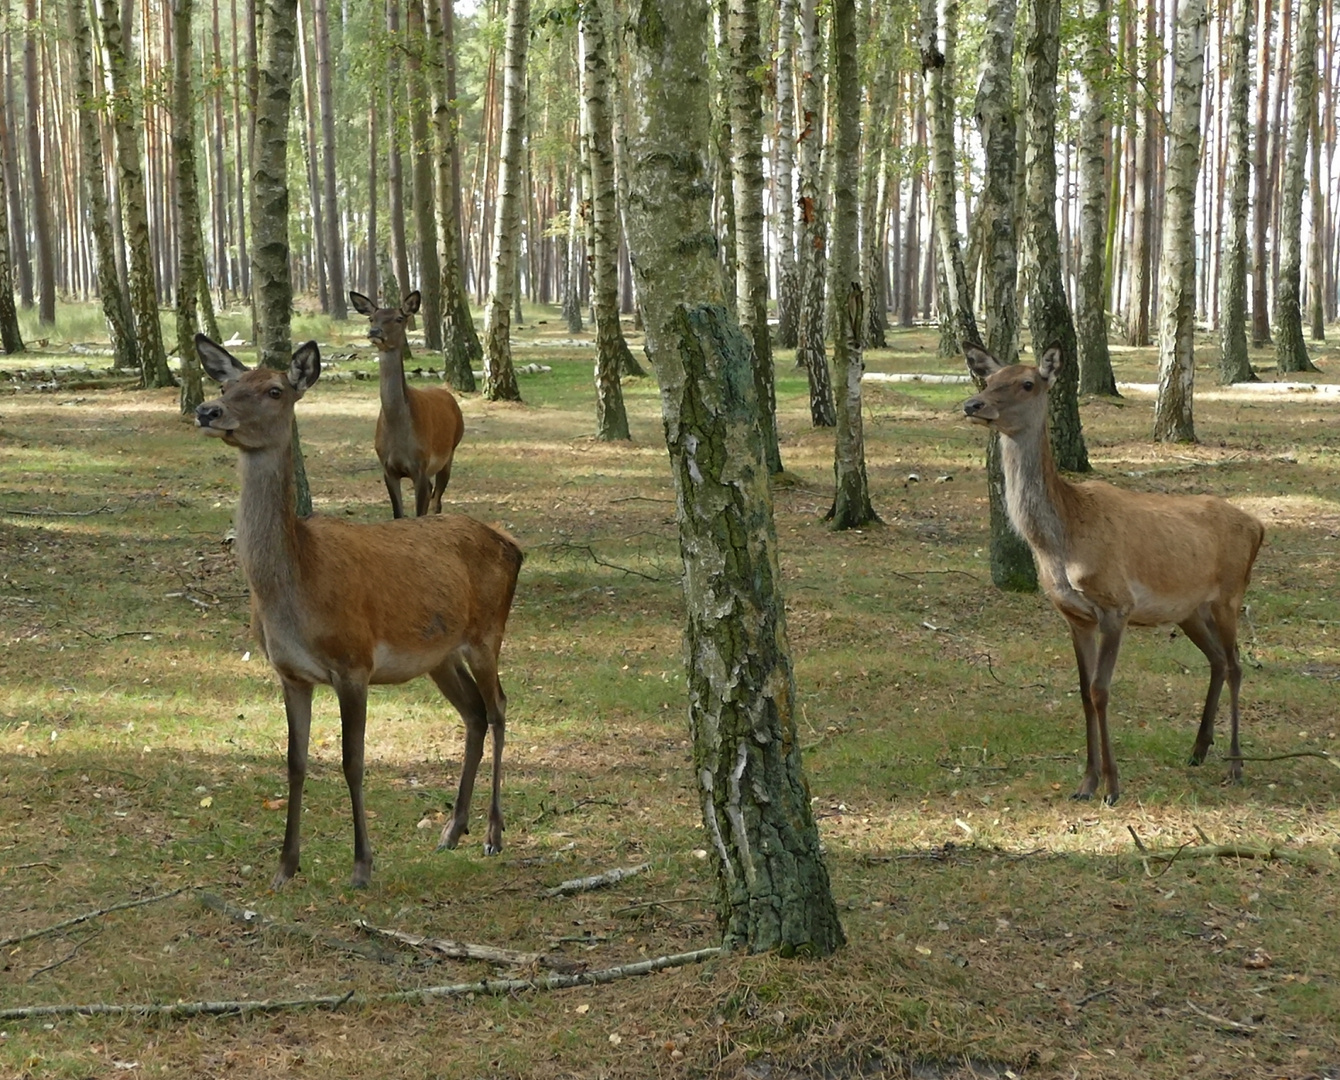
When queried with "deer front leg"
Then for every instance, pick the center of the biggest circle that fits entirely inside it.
(1110, 630)
(353, 697)
(423, 493)
(1084, 638)
(1203, 632)
(459, 687)
(393, 489)
(298, 709)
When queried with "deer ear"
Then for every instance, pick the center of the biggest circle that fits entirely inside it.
(411, 304)
(219, 364)
(305, 367)
(980, 362)
(1049, 364)
(361, 303)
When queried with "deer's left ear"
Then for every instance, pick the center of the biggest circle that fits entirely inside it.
(980, 362)
(304, 367)
(219, 364)
(1049, 364)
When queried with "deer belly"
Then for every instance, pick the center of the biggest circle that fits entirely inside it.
(289, 656)
(397, 664)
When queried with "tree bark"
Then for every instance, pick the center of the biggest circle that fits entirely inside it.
(611, 418)
(751, 273)
(1095, 362)
(38, 172)
(316, 204)
(851, 507)
(813, 255)
(339, 308)
(20, 264)
(1173, 419)
(499, 374)
(143, 284)
(571, 305)
(1316, 267)
(425, 175)
(1146, 150)
(1234, 362)
(1291, 346)
(788, 285)
(874, 158)
(120, 323)
(395, 161)
(773, 888)
(11, 338)
(1264, 189)
(1012, 566)
(1048, 312)
(190, 237)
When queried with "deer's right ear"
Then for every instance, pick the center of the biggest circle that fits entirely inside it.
(305, 367)
(361, 303)
(980, 362)
(411, 304)
(219, 364)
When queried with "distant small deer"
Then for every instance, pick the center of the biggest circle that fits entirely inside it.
(1109, 558)
(343, 605)
(418, 430)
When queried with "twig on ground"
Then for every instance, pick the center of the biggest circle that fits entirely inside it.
(1095, 996)
(34, 865)
(1136, 837)
(596, 881)
(641, 498)
(1323, 754)
(104, 509)
(553, 811)
(463, 950)
(628, 908)
(590, 553)
(1222, 1021)
(363, 949)
(56, 928)
(204, 605)
(913, 574)
(67, 958)
(484, 987)
(1235, 851)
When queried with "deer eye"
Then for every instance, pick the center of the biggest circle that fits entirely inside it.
(1028, 384)
(275, 392)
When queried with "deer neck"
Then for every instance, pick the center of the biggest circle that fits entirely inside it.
(267, 525)
(394, 389)
(1035, 493)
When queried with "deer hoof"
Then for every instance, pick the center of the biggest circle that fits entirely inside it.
(1111, 799)
(1081, 796)
(493, 849)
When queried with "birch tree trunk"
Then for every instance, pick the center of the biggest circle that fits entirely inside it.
(339, 308)
(1290, 345)
(499, 374)
(395, 161)
(1261, 172)
(851, 507)
(874, 160)
(143, 284)
(1095, 362)
(611, 418)
(11, 339)
(571, 306)
(773, 887)
(38, 171)
(813, 255)
(1173, 419)
(1234, 363)
(1137, 317)
(422, 158)
(1048, 312)
(751, 271)
(190, 238)
(120, 324)
(1316, 266)
(788, 298)
(1012, 566)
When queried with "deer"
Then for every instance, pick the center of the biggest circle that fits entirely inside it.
(418, 430)
(346, 604)
(1108, 558)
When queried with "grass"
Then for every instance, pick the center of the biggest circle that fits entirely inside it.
(994, 926)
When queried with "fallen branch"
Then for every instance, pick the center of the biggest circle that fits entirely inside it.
(65, 959)
(463, 950)
(56, 928)
(1222, 1021)
(596, 881)
(362, 949)
(552, 811)
(590, 553)
(1323, 754)
(105, 509)
(1234, 851)
(485, 987)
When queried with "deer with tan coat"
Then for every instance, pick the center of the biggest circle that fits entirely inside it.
(1109, 558)
(342, 604)
(418, 430)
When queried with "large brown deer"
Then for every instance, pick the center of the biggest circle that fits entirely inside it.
(342, 604)
(1109, 558)
(418, 430)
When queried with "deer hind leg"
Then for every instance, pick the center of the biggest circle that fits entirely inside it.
(353, 697)
(1110, 630)
(423, 493)
(393, 489)
(1203, 630)
(439, 486)
(1084, 637)
(298, 709)
(1226, 619)
(484, 664)
(459, 687)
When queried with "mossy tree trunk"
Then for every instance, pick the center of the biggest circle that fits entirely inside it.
(773, 887)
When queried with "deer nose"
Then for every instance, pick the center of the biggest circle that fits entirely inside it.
(972, 406)
(207, 413)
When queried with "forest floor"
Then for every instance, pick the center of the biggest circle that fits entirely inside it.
(995, 927)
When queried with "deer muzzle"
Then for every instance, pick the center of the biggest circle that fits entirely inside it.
(979, 410)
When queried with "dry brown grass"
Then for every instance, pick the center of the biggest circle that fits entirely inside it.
(995, 927)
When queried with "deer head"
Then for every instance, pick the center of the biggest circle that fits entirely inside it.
(386, 327)
(255, 411)
(1014, 399)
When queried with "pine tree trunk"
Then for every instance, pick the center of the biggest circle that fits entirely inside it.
(572, 301)
(1012, 565)
(191, 269)
(773, 887)
(1048, 312)
(339, 307)
(499, 374)
(315, 203)
(1173, 419)
(788, 298)
(851, 507)
(11, 339)
(1291, 346)
(1095, 362)
(272, 299)
(460, 344)
(20, 264)
(425, 175)
(143, 285)
(120, 324)
(1142, 265)
(395, 161)
(1234, 362)
(1316, 267)
(37, 174)
(751, 272)
(874, 166)
(813, 254)
(1264, 189)
(611, 418)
